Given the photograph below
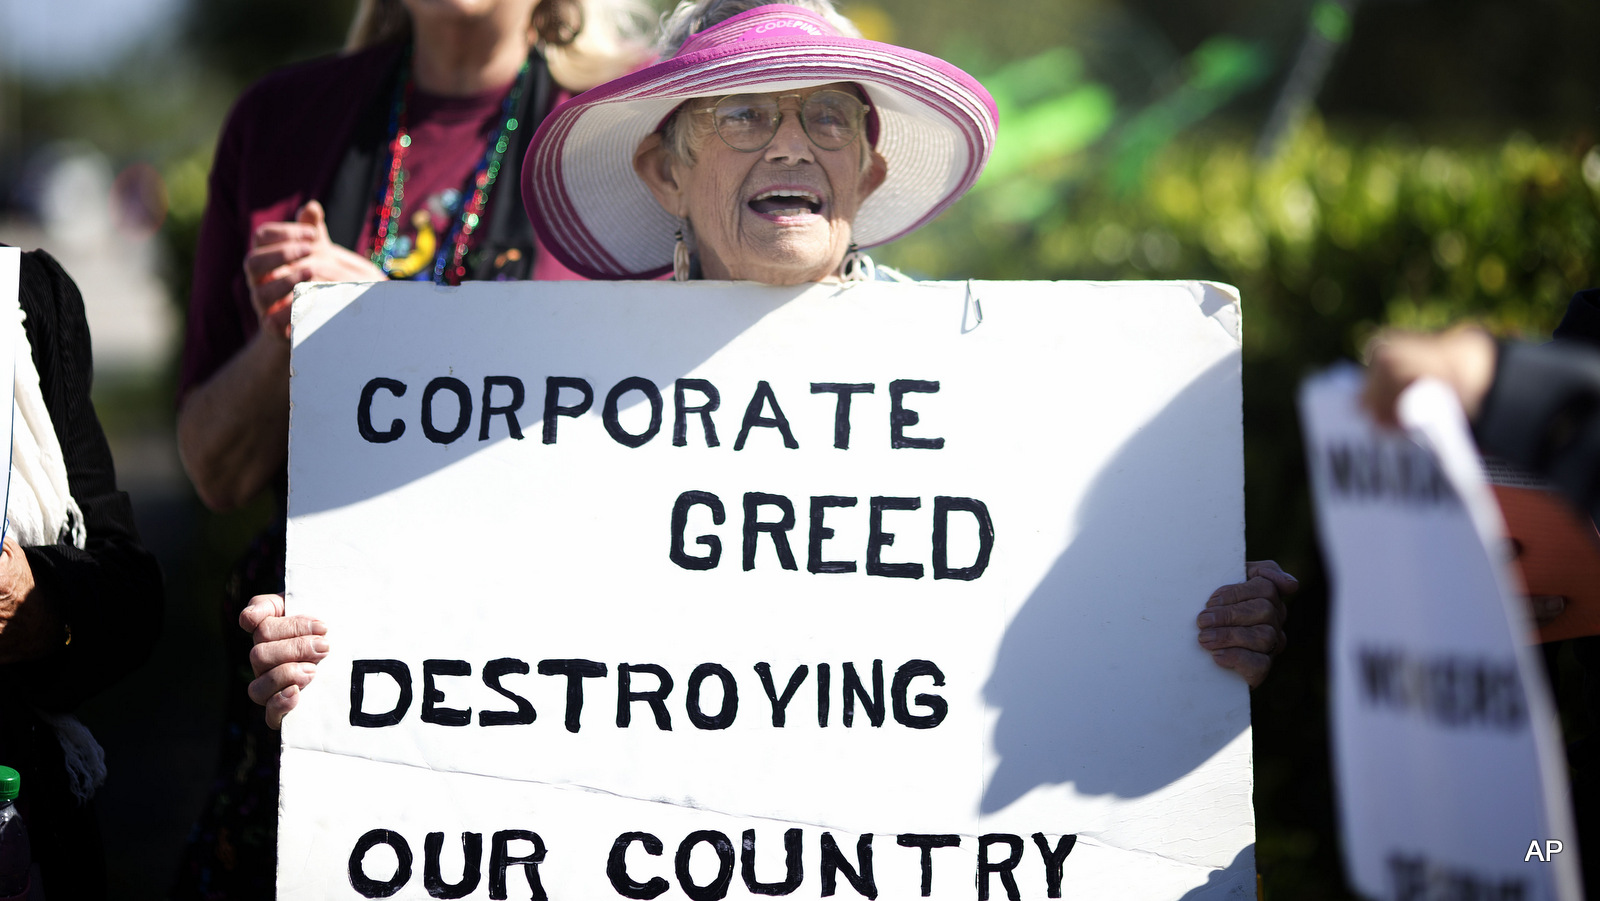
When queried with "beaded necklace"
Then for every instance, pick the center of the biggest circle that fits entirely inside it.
(449, 266)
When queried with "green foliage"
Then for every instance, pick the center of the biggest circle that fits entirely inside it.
(1330, 240)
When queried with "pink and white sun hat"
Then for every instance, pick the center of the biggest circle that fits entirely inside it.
(935, 126)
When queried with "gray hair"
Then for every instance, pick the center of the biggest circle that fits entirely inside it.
(679, 135)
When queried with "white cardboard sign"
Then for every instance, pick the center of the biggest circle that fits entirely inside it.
(1451, 779)
(697, 591)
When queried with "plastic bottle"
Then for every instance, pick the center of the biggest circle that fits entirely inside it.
(16, 855)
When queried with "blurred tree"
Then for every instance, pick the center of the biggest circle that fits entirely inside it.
(245, 39)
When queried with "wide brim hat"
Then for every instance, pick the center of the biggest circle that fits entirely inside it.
(933, 123)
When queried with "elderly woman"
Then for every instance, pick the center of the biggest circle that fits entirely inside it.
(769, 144)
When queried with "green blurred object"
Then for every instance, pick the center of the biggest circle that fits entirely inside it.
(1220, 69)
(1331, 20)
(10, 783)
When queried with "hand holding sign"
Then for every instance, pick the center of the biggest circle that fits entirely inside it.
(1242, 625)
(1462, 358)
(284, 658)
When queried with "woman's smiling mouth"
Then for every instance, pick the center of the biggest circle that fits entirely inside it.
(786, 202)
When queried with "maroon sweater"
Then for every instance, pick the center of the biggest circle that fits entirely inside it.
(288, 140)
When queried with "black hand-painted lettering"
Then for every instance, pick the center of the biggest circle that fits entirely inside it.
(508, 410)
(717, 888)
(753, 418)
(680, 522)
(878, 539)
(617, 867)
(656, 697)
(724, 717)
(852, 689)
(902, 686)
(1003, 868)
(859, 876)
(900, 417)
(397, 427)
(524, 714)
(824, 672)
(821, 533)
(432, 697)
(553, 406)
(501, 860)
(613, 402)
(394, 669)
(463, 409)
(575, 671)
(794, 870)
(471, 865)
(780, 702)
(1053, 860)
(927, 843)
(753, 526)
(681, 411)
(366, 886)
(941, 537)
(841, 408)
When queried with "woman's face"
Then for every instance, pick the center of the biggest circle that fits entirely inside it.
(781, 215)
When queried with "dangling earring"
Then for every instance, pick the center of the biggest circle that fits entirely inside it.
(680, 259)
(857, 266)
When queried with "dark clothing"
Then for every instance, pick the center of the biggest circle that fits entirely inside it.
(1542, 412)
(1582, 320)
(109, 593)
(232, 850)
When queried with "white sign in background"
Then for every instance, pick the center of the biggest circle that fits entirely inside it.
(1058, 693)
(1451, 778)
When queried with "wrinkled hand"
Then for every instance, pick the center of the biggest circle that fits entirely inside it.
(284, 254)
(29, 629)
(1242, 624)
(1463, 358)
(285, 655)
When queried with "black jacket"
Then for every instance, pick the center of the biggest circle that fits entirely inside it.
(109, 593)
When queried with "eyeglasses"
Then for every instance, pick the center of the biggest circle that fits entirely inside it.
(748, 122)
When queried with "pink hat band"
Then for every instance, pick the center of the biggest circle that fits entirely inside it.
(935, 129)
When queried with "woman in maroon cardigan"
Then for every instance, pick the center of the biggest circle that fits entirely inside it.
(398, 159)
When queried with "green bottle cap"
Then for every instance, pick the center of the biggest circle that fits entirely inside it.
(10, 783)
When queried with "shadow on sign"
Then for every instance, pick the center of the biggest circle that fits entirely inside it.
(1128, 723)
(573, 340)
